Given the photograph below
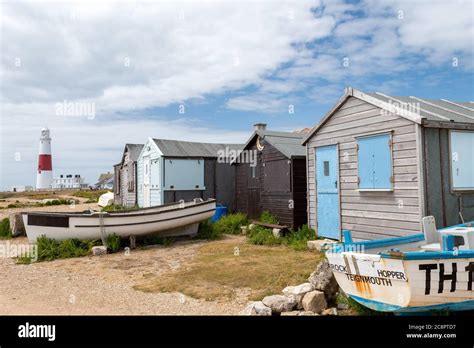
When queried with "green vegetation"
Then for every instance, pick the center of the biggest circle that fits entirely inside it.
(118, 207)
(49, 249)
(5, 231)
(91, 195)
(230, 224)
(113, 242)
(296, 240)
(60, 201)
(154, 240)
(263, 236)
(207, 230)
(268, 218)
(355, 306)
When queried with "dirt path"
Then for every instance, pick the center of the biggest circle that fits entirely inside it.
(102, 285)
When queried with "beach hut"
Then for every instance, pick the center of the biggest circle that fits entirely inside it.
(125, 172)
(172, 170)
(271, 176)
(377, 164)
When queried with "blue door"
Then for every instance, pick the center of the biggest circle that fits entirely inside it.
(327, 192)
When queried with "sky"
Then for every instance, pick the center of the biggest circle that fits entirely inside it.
(103, 74)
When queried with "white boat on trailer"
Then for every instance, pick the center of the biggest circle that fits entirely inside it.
(422, 273)
(176, 219)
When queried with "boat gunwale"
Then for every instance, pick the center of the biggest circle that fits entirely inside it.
(406, 255)
(122, 213)
(145, 222)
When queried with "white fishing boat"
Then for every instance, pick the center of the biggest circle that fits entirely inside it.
(174, 219)
(430, 271)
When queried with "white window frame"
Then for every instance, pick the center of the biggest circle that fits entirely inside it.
(451, 181)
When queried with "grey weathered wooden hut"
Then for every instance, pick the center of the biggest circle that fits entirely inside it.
(172, 170)
(125, 184)
(271, 176)
(377, 164)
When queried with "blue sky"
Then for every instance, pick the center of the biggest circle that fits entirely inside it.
(227, 65)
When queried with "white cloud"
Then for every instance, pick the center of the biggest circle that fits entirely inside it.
(129, 56)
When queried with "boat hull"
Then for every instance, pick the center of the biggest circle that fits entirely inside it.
(171, 220)
(401, 285)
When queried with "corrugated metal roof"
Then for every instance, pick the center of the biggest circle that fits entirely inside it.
(288, 143)
(177, 148)
(441, 110)
(134, 151)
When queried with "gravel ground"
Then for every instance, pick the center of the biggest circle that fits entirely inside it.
(102, 285)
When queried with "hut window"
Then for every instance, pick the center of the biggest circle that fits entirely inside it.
(253, 171)
(462, 159)
(374, 162)
(326, 168)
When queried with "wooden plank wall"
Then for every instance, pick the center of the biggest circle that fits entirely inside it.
(370, 215)
(441, 201)
(276, 202)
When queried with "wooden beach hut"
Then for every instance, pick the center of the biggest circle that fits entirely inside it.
(377, 164)
(172, 170)
(271, 176)
(125, 184)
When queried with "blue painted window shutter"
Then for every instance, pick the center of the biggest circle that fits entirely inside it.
(375, 162)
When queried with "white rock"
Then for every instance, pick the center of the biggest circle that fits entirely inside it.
(277, 232)
(342, 306)
(280, 303)
(314, 301)
(99, 250)
(257, 308)
(307, 313)
(291, 314)
(251, 226)
(323, 279)
(298, 292)
(318, 244)
(330, 311)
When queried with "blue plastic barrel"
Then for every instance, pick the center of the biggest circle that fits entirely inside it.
(220, 212)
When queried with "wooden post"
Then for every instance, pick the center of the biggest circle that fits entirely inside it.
(132, 242)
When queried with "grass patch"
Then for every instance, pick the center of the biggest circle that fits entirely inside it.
(91, 195)
(260, 235)
(207, 230)
(5, 231)
(50, 249)
(154, 240)
(268, 218)
(295, 240)
(217, 271)
(230, 224)
(355, 306)
(52, 202)
(113, 242)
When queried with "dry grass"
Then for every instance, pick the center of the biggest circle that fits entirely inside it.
(217, 273)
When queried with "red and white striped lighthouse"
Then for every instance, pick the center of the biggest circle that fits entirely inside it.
(44, 178)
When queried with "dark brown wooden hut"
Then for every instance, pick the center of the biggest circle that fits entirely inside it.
(271, 176)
